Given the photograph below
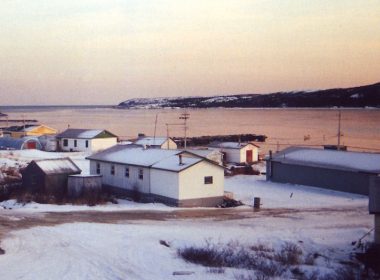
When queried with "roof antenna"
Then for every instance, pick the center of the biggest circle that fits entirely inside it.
(155, 128)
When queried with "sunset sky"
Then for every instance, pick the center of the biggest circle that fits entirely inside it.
(107, 51)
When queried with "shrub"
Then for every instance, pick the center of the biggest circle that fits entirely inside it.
(290, 254)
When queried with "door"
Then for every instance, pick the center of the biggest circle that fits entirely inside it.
(248, 155)
(31, 145)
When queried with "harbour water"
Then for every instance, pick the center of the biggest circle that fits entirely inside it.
(284, 127)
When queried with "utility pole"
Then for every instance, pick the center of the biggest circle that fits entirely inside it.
(185, 116)
(339, 134)
(167, 134)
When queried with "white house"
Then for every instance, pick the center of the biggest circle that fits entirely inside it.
(173, 177)
(85, 140)
(156, 142)
(235, 152)
(213, 155)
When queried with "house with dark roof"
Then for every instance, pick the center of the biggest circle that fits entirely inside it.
(337, 170)
(85, 140)
(173, 177)
(156, 142)
(49, 176)
(236, 152)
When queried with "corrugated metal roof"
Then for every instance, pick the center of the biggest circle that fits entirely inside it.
(342, 160)
(58, 166)
(83, 133)
(154, 158)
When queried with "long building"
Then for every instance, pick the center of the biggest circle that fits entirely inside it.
(337, 170)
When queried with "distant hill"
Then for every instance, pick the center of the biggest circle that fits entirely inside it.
(362, 96)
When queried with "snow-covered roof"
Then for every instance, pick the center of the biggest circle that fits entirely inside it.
(85, 133)
(229, 145)
(151, 141)
(344, 160)
(203, 152)
(17, 143)
(153, 158)
(58, 166)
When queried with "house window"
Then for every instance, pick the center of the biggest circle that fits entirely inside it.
(86, 143)
(97, 168)
(208, 179)
(33, 179)
(141, 174)
(127, 172)
(75, 143)
(65, 142)
(112, 169)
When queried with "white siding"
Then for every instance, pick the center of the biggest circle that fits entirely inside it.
(172, 145)
(255, 153)
(94, 145)
(232, 155)
(119, 179)
(240, 155)
(192, 185)
(98, 144)
(164, 183)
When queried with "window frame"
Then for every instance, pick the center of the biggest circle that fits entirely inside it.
(126, 172)
(112, 171)
(208, 180)
(65, 142)
(141, 174)
(98, 168)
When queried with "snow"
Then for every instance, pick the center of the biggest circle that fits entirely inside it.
(368, 162)
(123, 205)
(277, 195)
(133, 155)
(131, 250)
(172, 163)
(21, 158)
(151, 141)
(64, 165)
(89, 134)
(318, 220)
(155, 158)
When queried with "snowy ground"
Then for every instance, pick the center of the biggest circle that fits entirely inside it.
(319, 221)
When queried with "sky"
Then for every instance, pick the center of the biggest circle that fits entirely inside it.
(107, 51)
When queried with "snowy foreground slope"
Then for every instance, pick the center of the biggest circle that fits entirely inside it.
(318, 221)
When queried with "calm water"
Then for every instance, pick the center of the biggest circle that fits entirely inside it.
(284, 127)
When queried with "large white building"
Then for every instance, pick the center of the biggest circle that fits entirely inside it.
(235, 152)
(173, 177)
(85, 140)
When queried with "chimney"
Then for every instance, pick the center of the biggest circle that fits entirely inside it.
(180, 159)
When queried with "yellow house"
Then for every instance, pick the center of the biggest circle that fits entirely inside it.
(29, 130)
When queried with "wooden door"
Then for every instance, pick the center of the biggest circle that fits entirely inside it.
(248, 157)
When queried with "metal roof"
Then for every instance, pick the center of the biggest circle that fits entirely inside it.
(332, 159)
(58, 166)
(151, 141)
(152, 158)
(84, 133)
(9, 143)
